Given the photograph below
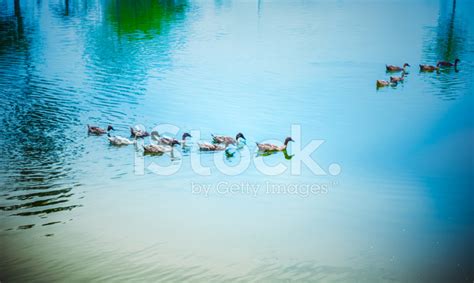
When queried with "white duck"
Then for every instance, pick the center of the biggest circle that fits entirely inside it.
(118, 140)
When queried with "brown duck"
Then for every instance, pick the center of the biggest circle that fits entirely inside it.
(272, 147)
(393, 68)
(210, 147)
(98, 131)
(384, 83)
(428, 68)
(166, 140)
(395, 79)
(448, 64)
(137, 133)
(159, 149)
(227, 139)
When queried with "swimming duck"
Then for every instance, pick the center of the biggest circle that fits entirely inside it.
(383, 83)
(167, 141)
(118, 140)
(98, 131)
(138, 133)
(159, 149)
(210, 147)
(394, 79)
(393, 68)
(448, 64)
(226, 139)
(271, 147)
(428, 68)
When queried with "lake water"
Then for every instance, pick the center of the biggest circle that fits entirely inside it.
(396, 205)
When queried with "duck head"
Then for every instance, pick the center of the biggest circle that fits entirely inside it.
(110, 128)
(155, 135)
(406, 65)
(239, 135)
(288, 139)
(186, 135)
(175, 142)
(456, 61)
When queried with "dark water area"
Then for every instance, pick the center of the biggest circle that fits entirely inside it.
(396, 205)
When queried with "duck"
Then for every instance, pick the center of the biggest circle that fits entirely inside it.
(393, 68)
(384, 83)
(98, 131)
(448, 64)
(271, 147)
(138, 133)
(428, 68)
(394, 79)
(118, 140)
(210, 147)
(159, 149)
(167, 141)
(227, 139)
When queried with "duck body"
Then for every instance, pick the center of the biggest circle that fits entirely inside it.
(118, 140)
(156, 148)
(384, 83)
(168, 140)
(210, 147)
(227, 139)
(98, 131)
(395, 79)
(393, 68)
(266, 147)
(137, 133)
(428, 68)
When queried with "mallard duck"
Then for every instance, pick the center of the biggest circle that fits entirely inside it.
(159, 149)
(448, 64)
(118, 140)
(428, 68)
(226, 139)
(210, 147)
(393, 68)
(272, 147)
(384, 83)
(394, 79)
(98, 131)
(138, 133)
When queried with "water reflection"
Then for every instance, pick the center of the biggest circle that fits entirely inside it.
(446, 42)
(36, 150)
(139, 19)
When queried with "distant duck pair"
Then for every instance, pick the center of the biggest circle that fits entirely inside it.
(443, 64)
(394, 80)
(227, 140)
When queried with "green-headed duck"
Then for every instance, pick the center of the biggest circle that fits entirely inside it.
(98, 131)
(272, 147)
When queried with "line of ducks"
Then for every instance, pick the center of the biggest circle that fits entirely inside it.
(165, 144)
(394, 80)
